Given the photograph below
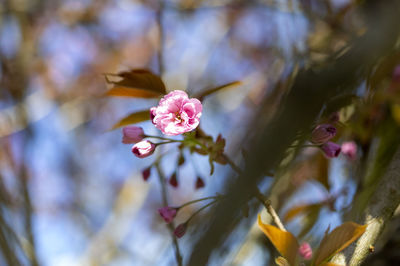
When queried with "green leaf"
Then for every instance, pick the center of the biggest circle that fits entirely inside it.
(283, 241)
(337, 240)
(133, 118)
(213, 90)
(139, 83)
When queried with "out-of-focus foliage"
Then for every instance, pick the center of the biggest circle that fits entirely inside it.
(72, 194)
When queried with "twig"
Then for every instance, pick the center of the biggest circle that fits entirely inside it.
(381, 207)
(161, 178)
(159, 18)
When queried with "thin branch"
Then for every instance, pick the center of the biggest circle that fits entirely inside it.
(380, 210)
(160, 52)
(267, 204)
(171, 226)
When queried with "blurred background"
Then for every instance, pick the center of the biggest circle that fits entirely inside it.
(72, 194)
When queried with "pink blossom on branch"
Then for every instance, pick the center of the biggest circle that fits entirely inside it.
(176, 113)
(132, 134)
(143, 149)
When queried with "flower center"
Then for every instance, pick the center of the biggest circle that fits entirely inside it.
(178, 117)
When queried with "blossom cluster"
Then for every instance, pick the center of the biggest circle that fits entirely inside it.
(321, 136)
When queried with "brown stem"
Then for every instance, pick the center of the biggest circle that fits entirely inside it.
(267, 204)
(171, 226)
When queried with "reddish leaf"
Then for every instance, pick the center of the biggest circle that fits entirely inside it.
(137, 83)
(306, 208)
(213, 90)
(130, 92)
(133, 118)
(337, 240)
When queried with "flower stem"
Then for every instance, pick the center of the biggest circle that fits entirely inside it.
(199, 210)
(167, 142)
(198, 200)
(157, 137)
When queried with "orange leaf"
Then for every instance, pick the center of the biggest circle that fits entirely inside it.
(330, 264)
(284, 242)
(133, 118)
(281, 261)
(337, 240)
(299, 209)
(129, 92)
(213, 90)
(137, 83)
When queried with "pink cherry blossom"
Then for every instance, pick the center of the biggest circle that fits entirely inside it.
(132, 134)
(143, 149)
(305, 251)
(176, 113)
(349, 148)
(168, 213)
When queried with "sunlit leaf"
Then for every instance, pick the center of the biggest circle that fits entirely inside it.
(281, 261)
(330, 264)
(130, 92)
(139, 83)
(306, 208)
(337, 240)
(284, 242)
(133, 118)
(213, 90)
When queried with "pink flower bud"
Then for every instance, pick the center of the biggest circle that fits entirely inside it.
(322, 133)
(132, 134)
(143, 149)
(168, 213)
(173, 181)
(305, 251)
(180, 230)
(331, 149)
(349, 149)
(199, 183)
(146, 173)
(176, 113)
